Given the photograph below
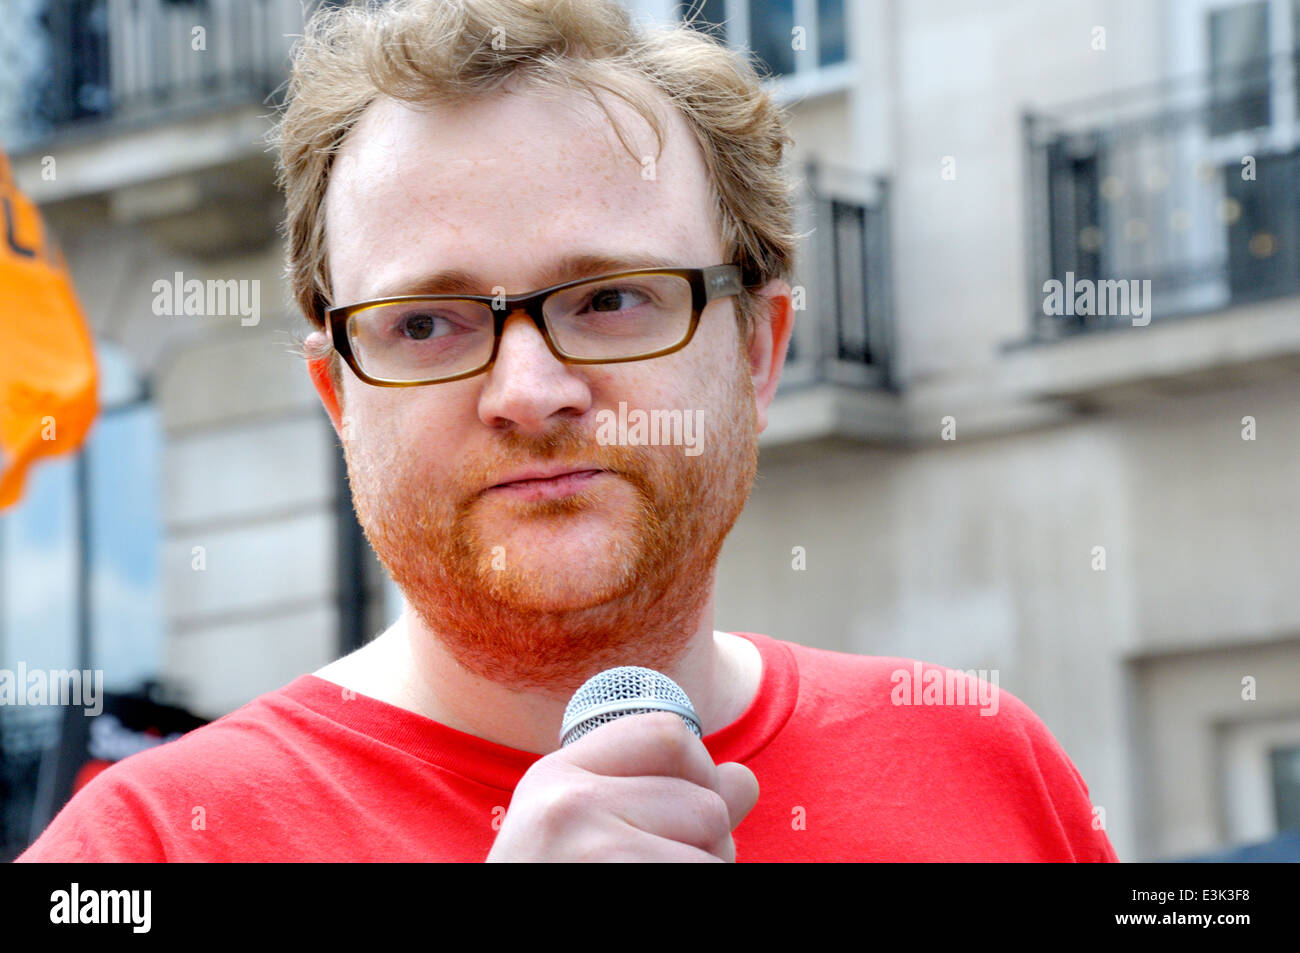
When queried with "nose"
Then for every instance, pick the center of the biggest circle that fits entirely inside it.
(527, 386)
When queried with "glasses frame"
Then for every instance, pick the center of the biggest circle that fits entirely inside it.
(707, 284)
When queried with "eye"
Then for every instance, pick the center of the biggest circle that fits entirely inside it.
(423, 325)
(613, 298)
(417, 326)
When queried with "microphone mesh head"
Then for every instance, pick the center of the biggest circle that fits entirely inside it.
(627, 690)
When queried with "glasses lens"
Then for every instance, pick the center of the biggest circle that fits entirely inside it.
(421, 340)
(620, 317)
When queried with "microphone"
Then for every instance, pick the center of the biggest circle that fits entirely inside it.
(626, 690)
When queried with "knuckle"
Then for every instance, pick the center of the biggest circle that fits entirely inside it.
(713, 811)
(669, 736)
(595, 848)
(562, 806)
(665, 726)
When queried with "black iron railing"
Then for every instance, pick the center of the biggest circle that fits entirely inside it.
(142, 61)
(844, 332)
(1184, 197)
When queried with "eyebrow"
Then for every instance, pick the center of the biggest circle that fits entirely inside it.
(569, 268)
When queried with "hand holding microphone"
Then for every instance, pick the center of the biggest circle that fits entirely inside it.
(631, 782)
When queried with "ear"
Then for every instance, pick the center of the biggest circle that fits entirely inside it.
(318, 369)
(772, 329)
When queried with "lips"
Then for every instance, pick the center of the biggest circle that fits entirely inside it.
(541, 474)
(549, 485)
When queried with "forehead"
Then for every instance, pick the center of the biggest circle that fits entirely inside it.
(502, 188)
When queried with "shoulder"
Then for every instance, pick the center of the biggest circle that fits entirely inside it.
(962, 723)
(876, 682)
(132, 810)
(962, 714)
(946, 705)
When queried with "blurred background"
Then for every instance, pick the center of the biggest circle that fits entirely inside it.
(1101, 509)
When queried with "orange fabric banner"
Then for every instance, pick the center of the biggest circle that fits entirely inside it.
(47, 358)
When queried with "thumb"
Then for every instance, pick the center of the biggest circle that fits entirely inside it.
(739, 788)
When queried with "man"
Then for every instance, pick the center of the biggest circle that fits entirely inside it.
(584, 194)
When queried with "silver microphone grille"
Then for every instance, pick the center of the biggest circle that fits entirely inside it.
(627, 690)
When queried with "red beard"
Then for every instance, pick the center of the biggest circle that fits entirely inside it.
(536, 628)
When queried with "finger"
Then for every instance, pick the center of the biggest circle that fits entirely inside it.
(671, 808)
(738, 788)
(650, 744)
(724, 849)
(648, 849)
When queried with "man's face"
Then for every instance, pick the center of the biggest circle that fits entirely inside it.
(541, 583)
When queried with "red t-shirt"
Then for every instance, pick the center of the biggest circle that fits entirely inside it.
(845, 772)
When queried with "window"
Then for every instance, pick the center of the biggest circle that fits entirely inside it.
(846, 337)
(1284, 765)
(787, 38)
(1252, 52)
(113, 480)
(74, 83)
(1295, 54)
(1260, 774)
(73, 587)
(1239, 67)
(849, 227)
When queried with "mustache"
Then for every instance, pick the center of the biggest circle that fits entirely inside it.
(567, 440)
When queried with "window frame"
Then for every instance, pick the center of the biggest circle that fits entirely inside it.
(810, 78)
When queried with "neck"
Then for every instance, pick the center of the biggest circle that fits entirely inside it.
(410, 666)
(436, 685)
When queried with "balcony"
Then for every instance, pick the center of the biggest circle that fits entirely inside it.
(1158, 206)
(839, 375)
(160, 107)
(119, 64)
